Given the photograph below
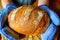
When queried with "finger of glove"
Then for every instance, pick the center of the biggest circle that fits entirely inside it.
(0, 18)
(3, 17)
(9, 33)
(10, 7)
(52, 35)
(4, 13)
(54, 17)
(49, 32)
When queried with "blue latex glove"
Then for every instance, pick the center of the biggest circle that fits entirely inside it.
(4, 12)
(4, 29)
(55, 21)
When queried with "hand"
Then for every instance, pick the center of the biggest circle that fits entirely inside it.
(54, 17)
(4, 29)
(55, 21)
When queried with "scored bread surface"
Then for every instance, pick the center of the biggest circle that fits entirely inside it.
(29, 20)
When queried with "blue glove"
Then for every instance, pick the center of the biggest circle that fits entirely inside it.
(55, 21)
(4, 29)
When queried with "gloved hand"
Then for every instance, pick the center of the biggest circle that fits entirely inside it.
(55, 21)
(4, 29)
(11, 35)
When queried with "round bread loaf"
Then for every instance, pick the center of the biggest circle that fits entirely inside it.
(28, 20)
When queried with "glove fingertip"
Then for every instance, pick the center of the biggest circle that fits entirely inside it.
(55, 19)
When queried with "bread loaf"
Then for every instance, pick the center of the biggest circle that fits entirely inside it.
(28, 20)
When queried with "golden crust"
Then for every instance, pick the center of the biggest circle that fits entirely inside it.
(43, 25)
(29, 20)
